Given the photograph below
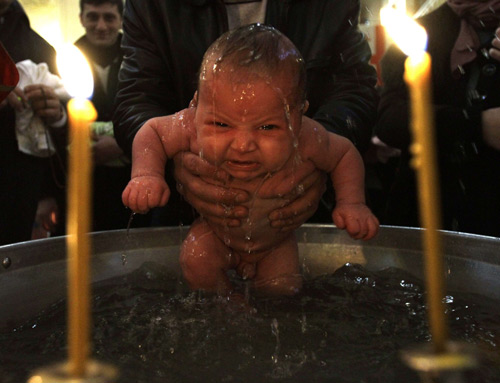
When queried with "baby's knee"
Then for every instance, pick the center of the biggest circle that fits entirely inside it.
(202, 266)
(194, 259)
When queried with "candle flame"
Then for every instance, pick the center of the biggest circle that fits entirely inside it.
(75, 71)
(408, 35)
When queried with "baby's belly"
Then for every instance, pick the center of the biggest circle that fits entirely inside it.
(255, 233)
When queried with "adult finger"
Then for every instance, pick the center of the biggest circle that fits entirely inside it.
(214, 210)
(17, 99)
(289, 182)
(194, 164)
(195, 188)
(301, 208)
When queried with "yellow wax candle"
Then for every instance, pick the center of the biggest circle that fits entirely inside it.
(81, 113)
(412, 39)
(417, 76)
(77, 78)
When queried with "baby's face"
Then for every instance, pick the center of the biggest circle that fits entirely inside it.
(245, 127)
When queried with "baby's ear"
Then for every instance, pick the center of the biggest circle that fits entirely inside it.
(194, 101)
(305, 107)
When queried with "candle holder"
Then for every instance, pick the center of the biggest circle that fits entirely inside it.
(95, 372)
(455, 364)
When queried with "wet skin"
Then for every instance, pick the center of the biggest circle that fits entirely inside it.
(249, 130)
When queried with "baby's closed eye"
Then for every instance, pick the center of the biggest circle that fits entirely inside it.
(267, 127)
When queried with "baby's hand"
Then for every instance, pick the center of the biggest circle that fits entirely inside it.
(357, 219)
(145, 192)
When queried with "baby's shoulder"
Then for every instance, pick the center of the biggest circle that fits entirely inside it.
(313, 139)
(182, 121)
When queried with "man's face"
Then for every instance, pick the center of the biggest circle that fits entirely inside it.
(101, 22)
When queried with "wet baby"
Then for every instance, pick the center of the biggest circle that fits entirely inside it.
(247, 119)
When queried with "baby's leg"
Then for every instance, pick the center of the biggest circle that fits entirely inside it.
(205, 259)
(279, 272)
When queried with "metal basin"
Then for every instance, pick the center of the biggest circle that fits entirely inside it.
(34, 273)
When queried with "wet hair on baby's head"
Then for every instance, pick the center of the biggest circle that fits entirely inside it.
(260, 50)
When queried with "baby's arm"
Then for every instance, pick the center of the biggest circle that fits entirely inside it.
(158, 139)
(338, 156)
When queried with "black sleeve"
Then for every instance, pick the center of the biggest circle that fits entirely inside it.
(343, 95)
(144, 90)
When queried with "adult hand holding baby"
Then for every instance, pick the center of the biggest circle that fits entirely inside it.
(214, 201)
(300, 189)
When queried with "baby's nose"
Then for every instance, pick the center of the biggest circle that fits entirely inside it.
(244, 142)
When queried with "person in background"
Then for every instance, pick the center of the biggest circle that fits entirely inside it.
(247, 120)
(463, 41)
(164, 42)
(23, 176)
(102, 20)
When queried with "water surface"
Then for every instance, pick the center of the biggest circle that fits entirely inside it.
(346, 327)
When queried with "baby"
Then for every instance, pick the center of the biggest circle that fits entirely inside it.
(247, 119)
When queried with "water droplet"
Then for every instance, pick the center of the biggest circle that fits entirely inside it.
(300, 189)
(448, 299)
(130, 222)
(6, 262)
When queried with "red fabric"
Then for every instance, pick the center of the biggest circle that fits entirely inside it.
(8, 72)
(473, 14)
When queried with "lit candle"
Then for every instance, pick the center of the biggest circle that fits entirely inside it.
(78, 81)
(412, 39)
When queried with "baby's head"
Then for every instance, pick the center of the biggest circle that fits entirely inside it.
(254, 53)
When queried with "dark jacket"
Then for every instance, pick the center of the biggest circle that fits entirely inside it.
(22, 43)
(469, 170)
(164, 42)
(22, 177)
